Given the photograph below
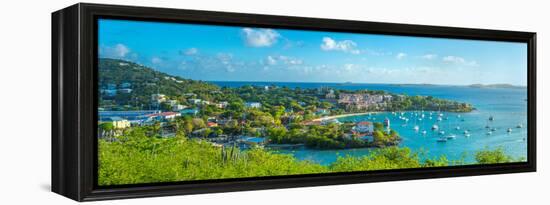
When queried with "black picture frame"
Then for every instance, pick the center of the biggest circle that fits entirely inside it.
(74, 86)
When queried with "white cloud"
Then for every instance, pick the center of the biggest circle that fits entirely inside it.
(400, 56)
(347, 46)
(191, 51)
(226, 59)
(116, 51)
(429, 56)
(271, 60)
(156, 60)
(285, 60)
(260, 37)
(459, 61)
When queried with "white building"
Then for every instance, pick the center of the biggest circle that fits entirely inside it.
(158, 98)
(253, 104)
(194, 101)
(364, 127)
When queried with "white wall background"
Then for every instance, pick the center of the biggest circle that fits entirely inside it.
(25, 102)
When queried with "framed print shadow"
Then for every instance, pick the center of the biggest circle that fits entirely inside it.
(156, 102)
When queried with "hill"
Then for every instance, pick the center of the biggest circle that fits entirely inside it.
(131, 85)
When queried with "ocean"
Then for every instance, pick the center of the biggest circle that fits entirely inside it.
(507, 106)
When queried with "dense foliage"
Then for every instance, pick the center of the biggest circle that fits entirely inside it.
(134, 157)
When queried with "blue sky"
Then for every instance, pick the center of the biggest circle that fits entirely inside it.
(230, 53)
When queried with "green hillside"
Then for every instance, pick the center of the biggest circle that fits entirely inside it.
(144, 82)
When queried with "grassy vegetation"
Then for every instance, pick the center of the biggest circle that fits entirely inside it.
(136, 158)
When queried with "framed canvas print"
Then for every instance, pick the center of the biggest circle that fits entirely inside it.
(155, 102)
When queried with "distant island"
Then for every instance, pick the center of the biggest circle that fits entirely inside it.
(501, 85)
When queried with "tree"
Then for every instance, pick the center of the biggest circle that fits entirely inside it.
(378, 126)
(198, 123)
(492, 156)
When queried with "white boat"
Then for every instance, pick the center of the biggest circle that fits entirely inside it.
(509, 130)
(467, 135)
(441, 132)
(439, 119)
(457, 127)
(424, 132)
(489, 133)
(435, 127)
(452, 136)
(416, 128)
(519, 125)
(466, 132)
(494, 129)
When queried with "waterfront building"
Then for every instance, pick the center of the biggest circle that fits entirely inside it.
(164, 116)
(128, 115)
(119, 123)
(321, 111)
(364, 127)
(363, 101)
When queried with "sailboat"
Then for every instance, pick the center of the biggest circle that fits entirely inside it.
(509, 130)
(519, 125)
(451, 136)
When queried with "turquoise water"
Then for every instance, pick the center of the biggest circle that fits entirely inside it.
(508, 106)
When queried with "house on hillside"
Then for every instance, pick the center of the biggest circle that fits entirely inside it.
(253, 104)
(188, 111)
(222, 104)
(158, 98)
(178, 107)
(194, 101)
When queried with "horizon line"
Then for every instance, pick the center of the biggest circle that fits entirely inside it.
(253, 81)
